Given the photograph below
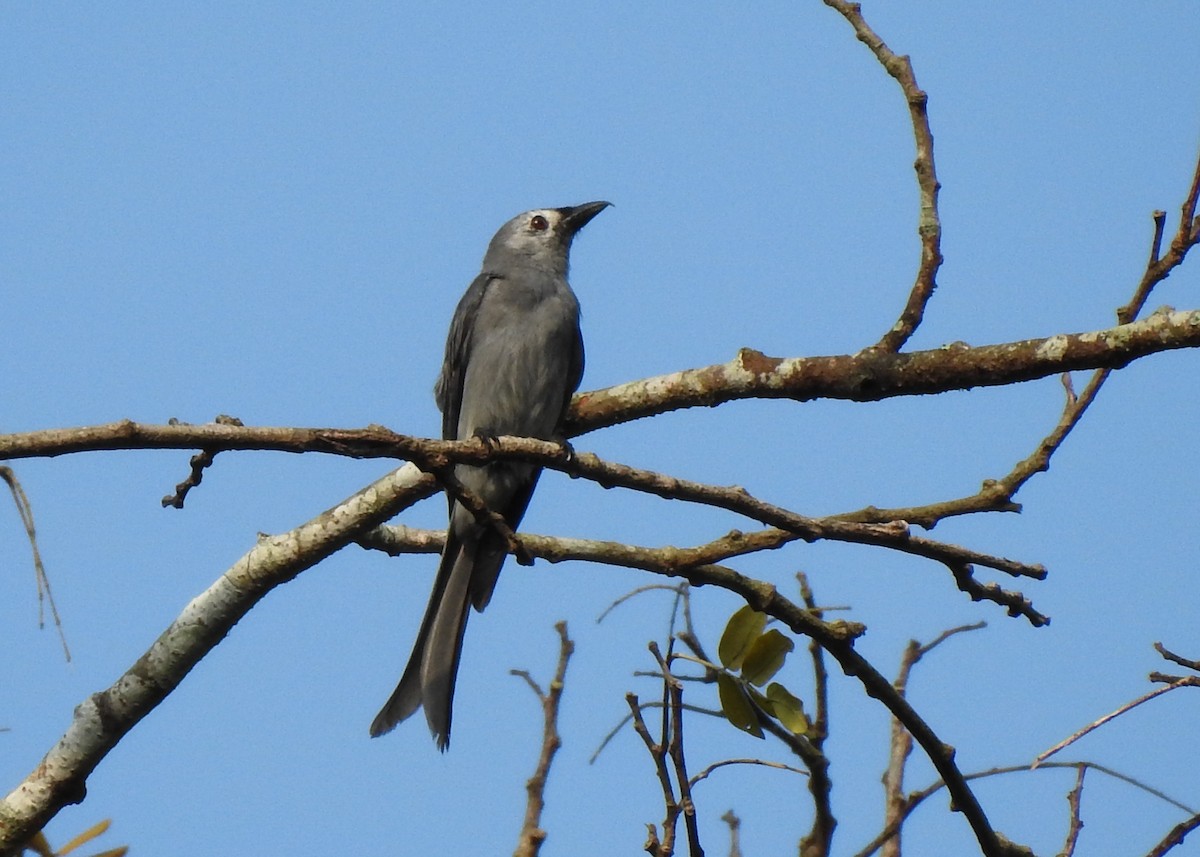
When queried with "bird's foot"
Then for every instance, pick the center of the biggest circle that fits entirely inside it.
(489, 438)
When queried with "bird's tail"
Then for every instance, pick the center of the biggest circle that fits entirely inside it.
(429, 677)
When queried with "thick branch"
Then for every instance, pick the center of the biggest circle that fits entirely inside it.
(872, 375)
(104, 718)
(868, 376)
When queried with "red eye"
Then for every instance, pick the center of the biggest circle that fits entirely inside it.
(539, 223)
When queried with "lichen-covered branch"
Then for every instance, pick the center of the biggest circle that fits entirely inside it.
(104, 718)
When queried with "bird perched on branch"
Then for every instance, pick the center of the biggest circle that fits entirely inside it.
(513, 358)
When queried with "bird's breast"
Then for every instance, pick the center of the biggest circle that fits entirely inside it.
(518, 371)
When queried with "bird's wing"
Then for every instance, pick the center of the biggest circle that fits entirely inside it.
(574, 372)
(448, 391)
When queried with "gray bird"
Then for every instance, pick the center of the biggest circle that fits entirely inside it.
(513, 358)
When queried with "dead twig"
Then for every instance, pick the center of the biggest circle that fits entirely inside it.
(529, 842)
(45, 596)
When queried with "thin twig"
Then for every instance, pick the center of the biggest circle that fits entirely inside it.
(735, 823)
(811, 748)
(649, 587)
(779, 766)
(675, 750)
(915, 799)
(895, 802)
(45, 596)
(1193, 681)
(198, 463)
(666, 846)
(1188, 663)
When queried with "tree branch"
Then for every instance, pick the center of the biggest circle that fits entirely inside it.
(863, 377)
(529, 842)
(104, 718)
(929, 225)
(874, 375)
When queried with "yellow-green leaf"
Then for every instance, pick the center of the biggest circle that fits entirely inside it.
(787, 709)
(766, 656)
(744, 627)
(40, 846)
(736, 705)
(87, 836)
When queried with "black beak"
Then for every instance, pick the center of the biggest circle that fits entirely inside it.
(576, 217)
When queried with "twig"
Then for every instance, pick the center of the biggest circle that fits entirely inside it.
(735, 823)
(1016, 603)
(674, 704)
(1175, 836)
(616, 730)
(529, 842)
(1073, 801)
(929, 224)
(1158, 269)
(863, 377)
(674, 560)
(484, 516)
(198, 464)
(666, 846)
(649, 587)
(45, 596)
(1178, 659)
(811, 748)
(779, 766)
(915, 799)
(1193, 681)
(895, 802)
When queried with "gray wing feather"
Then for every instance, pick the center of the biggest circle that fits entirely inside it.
(448, 390)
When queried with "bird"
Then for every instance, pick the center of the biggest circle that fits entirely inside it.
(514, 357)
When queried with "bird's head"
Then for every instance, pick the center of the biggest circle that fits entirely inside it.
(540, 238)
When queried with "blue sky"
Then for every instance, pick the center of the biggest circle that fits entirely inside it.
(270, 212)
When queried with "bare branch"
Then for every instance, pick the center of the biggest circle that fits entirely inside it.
(779, 766)
(873, 375)
(45, 596)
(915, 799)
(199, 462)
(1158, 269)
(1188, 681)
(674, 705)
(929, 225)
(811, 748)
(735, 823)
(896, 804)
(658, 754)
(1073, 801)
(1175, 836)
(104, 718)
(529, 842)
(1178, 659)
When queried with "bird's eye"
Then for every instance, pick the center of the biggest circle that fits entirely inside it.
(538, 223)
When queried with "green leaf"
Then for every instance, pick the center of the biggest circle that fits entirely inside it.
(760, 700)
(744, 627)
(787, 709)
(766, 656)
(736, 705)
